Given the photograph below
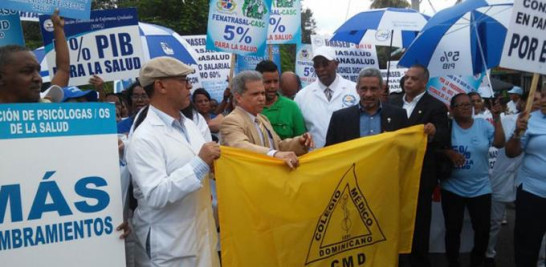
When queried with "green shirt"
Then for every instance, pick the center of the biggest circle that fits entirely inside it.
(285, 117)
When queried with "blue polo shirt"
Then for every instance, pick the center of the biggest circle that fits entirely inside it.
(532, 173)
(471, 179)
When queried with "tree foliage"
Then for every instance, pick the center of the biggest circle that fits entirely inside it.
(308, 25)
(389, 3)
(185, 17)
(288, 52)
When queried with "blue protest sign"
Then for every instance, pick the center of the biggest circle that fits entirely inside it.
(60, 175)
(76, 9)
(304, 64)
(238, 26)
(285, 22)
(11, 32)
(107, 45)
(250, 62)
(42, 120)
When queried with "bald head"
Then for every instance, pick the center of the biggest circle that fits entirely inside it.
(290, 84)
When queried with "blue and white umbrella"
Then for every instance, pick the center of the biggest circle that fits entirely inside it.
(44, 70)
(376, 26)
(463, 40)
(160, 41)
(156, 41)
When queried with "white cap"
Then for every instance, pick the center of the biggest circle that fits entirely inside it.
(516, 90)
(325, 51)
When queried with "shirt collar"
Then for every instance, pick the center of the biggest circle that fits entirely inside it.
(331, 86)
(415, 99)
(252, 117)
(166, 118)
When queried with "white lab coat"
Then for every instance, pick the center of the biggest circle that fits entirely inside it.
(316, 109)
(504, 171)
(174, 206)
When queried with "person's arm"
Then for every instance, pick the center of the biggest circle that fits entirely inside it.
(98, 84)
(513, 146)
(233, 135)
(225, 102)
(214, 124)
(455, 157)
(499, 139)
(62, 56)
(148, 168)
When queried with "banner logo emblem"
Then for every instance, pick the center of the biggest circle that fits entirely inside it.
(346, 223)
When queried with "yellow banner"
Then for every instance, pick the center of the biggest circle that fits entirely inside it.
(352, 204)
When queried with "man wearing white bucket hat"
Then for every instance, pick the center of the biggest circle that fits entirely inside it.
(515, 94)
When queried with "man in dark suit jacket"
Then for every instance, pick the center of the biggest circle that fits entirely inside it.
(370, 116)
(422, 108)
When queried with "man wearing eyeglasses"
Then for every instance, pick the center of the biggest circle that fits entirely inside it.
(330, 92)
(169, 161)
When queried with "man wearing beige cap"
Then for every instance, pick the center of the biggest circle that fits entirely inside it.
(169, 162)
(330, 92)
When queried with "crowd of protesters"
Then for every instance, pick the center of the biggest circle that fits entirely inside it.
(170, 135)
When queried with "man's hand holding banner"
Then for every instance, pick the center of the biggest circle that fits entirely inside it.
(352, 202)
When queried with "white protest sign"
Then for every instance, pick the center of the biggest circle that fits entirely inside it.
(107, 45)
(445, 87)
(238, 26)
(29, 16)
(395, 75)
(60, 195)
(285, 22)
(525, 43)
(213, 66)
(351, 57)
(304, 64)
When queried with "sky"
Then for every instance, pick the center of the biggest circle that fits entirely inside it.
(330, 14)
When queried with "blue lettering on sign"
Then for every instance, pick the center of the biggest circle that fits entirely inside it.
(58, 203)
(39, 205)
(4, 25)
(55, 233)
(13, 194)
(120, 45)
(103, 199)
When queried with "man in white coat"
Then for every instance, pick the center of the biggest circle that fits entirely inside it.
(169, 161)
(330, 92)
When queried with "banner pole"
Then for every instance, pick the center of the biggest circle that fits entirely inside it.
(530, 98)
(232, 67)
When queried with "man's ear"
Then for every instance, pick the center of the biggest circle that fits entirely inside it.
(237, 97)
(158, 87)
